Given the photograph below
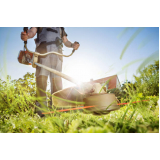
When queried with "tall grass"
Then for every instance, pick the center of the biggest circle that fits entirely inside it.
(17, 115)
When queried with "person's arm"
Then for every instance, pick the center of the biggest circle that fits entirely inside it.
(30, 34)
(69, 44)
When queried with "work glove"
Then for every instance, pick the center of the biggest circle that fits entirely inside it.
(24, 36)
(75, 45)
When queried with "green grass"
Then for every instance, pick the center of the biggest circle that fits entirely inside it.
(17, 116)
(140, 122)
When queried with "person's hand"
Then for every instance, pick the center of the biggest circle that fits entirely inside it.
(76, 45)
(24, 36)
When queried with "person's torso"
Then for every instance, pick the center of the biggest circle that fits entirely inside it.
(47, 40)
(49, 34)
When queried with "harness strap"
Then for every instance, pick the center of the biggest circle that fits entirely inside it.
(48, 43)
(37, 40)
(62, 28)
(39, 29)
(44, 43)
(52, 30)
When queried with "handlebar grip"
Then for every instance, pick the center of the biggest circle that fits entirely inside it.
(25, 29)
(74, 49)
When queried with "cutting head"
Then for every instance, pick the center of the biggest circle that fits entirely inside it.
(104, 103)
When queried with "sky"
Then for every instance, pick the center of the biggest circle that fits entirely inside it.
(98, 56)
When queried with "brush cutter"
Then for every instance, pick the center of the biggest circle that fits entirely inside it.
(83, 94)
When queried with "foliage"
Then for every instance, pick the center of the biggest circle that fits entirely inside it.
(17, 95)
(135, 119)
(17, 103)
(119, 93)
(27, 83)
(148, 81)
(147, 84)
(126, 91)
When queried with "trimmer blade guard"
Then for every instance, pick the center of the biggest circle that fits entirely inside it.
(104, 103)
(25, 57)
(67, 98)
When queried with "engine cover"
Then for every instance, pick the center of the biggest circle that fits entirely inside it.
(25, 57)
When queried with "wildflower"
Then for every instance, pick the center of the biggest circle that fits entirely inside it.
(158, 104)
(140, 117)
(66, 122)
(13, 125)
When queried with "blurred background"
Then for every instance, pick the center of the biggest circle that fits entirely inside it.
(103, 52)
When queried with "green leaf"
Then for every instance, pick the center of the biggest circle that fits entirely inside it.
(153, 56)
(130, 41)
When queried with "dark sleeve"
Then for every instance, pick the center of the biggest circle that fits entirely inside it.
(63, 33)
(32, 27)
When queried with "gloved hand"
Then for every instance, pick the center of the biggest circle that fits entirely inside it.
(24, 36)
(76, 45)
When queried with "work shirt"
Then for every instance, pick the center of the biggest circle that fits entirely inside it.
(52, 61)
(62, 32)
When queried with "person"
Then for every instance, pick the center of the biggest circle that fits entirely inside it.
(48, 39)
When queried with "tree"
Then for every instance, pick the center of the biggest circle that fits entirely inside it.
(148, 81)
(18, 94)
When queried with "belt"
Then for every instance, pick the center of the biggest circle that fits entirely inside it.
(44, 43)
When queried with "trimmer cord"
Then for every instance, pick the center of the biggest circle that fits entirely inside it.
(63, 110)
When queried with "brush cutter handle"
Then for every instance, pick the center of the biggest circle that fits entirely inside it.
(25, 29)
(42, 55)
(74, 49)
(45, 54)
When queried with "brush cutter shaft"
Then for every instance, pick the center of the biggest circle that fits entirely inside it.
(58, 73)
(83, 88)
